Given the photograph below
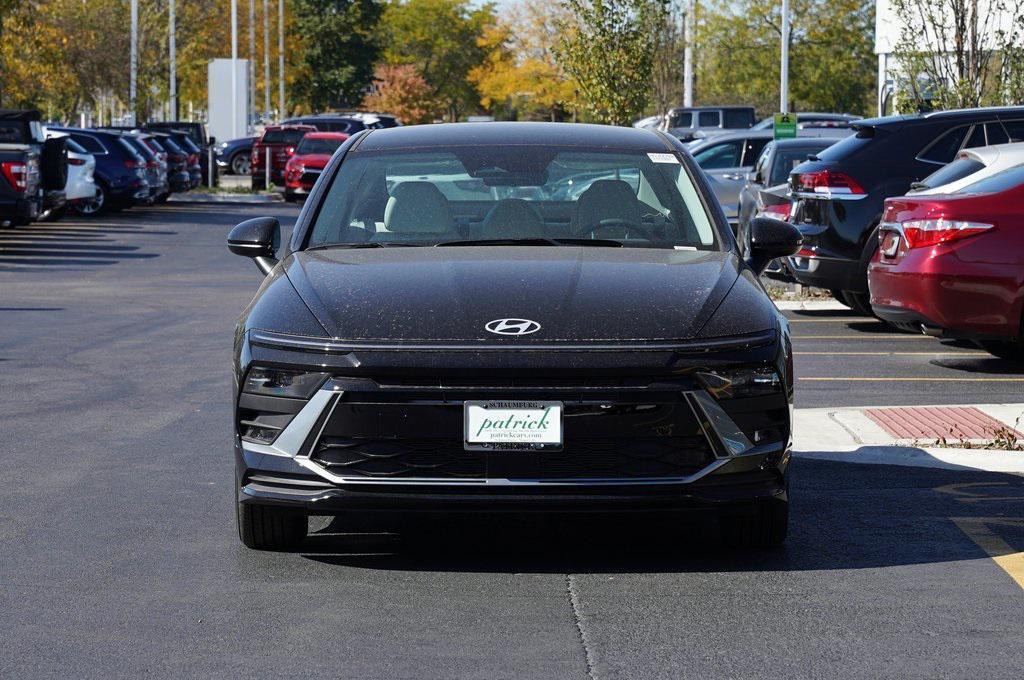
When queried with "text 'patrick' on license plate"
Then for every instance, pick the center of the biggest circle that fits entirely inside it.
(513, 425)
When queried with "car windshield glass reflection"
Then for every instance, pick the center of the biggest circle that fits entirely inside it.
(550, 195)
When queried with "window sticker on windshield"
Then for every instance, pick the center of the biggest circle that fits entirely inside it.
(663, 158)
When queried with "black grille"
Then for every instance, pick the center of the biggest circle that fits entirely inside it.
(397, 436)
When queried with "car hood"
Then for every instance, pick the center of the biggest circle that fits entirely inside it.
(575, 294)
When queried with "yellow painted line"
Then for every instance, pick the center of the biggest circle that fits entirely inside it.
(889, 379)
(979, 353)
(979, 530)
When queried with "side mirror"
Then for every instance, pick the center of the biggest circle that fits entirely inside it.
(753, 177)
(771, 238)
(258, 239)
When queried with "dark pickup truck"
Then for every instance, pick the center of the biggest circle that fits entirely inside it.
(33, 170)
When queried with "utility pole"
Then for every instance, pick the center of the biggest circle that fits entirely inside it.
(252, 62)
(784, 84)
(688, 53)
(280, 59)
(266, 57)
(172, 51)
(234, 69)
(134, 62)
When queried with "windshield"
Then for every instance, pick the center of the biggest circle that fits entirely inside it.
(317, 146)
(1002, 181)
(954, 172)
(460, 194)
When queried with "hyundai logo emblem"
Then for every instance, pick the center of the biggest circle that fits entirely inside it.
(512, 326)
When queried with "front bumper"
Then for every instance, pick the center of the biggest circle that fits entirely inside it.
(621, 451)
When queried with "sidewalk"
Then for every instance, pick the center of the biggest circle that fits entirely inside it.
(909, 435)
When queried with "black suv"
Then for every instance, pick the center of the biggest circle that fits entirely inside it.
(838, 194)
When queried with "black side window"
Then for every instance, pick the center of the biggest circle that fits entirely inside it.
(1015, 128)
(752, 149)
(735, 119)
(724, 155)
(945, 147)
(709, 119)
(996, 133)
(90, 143)
(681, 119)
(977, 137)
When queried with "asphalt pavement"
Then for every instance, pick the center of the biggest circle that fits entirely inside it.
(119, 556)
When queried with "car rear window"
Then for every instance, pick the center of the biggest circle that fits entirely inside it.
(944, 149)
(954, 172)
(849, 146)
(73, 146)
(12, 132)
(90, 143)
(1001, 181)
(128, 149)
(785, 161)
(290, 137)
(318, 146)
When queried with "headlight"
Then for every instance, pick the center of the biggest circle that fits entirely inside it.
(283, 382)
(743, 382)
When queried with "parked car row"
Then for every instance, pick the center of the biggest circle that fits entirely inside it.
(916, 219)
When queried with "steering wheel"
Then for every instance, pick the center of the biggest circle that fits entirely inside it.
(628, 228)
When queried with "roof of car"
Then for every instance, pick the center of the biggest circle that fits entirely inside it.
(326, 135)
(732, 136)
(989, 154)
(711, 108)
(952, 114)
(515, 133)
(798, 142)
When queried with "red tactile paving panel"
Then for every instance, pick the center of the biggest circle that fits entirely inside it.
(933, 422)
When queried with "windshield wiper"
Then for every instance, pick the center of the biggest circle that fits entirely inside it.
(536, 241)
(364, 244)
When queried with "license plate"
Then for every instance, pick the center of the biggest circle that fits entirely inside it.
(513, 425)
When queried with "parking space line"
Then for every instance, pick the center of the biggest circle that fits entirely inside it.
(866, 336)
(979, 353)
(895, 379)
(979, 530)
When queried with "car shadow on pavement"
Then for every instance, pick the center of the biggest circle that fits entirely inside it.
(983, 364)
(70, 244)
(843, 516)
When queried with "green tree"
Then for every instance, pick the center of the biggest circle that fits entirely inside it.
(443, 40)
(831, 65)
(609, 50)
(341, 48)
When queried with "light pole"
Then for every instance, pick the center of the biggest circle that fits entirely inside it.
(266, 57)
(784, 84)
(172, 87)
(688, 53)
(280, 59)
(133, 62)
(252, 61)
(234, 69)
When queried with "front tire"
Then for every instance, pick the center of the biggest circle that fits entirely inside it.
(766, 528)
(262, 527)
(858, 302)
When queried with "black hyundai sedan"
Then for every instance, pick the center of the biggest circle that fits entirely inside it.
(511, 317)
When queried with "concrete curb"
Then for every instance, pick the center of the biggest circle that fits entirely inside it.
(226, 198)
(908, 456)
(798, 305)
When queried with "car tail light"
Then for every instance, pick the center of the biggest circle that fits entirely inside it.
(925, 233)
(779, 211)
(16, 174)
(193, 158)
(133, 164)
(805, 252)
(829, 182)
(76, 161)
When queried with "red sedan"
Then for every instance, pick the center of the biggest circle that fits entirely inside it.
(305, 166)
(953, 265)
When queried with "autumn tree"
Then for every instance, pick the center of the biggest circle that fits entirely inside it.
(609, 50)
(442, 40)
(402, 91)
(520, 74)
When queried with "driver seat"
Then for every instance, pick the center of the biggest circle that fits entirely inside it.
(606, 199)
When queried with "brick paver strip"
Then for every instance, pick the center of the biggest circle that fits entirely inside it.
(912, 422)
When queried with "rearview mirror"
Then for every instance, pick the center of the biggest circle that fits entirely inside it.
(771, 238)
(258, 239)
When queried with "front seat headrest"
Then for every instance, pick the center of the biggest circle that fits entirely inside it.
(512, 218)
(418, 208)
(606, 199)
